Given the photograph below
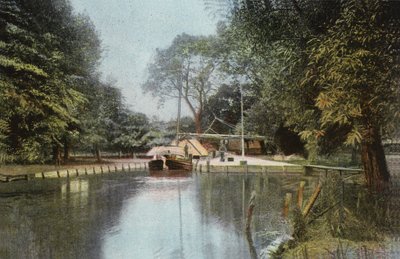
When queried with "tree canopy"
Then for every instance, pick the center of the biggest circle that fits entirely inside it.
(332, 70)
(187, 67)
(51, 95)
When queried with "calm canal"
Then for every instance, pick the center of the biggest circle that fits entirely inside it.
(135, 215)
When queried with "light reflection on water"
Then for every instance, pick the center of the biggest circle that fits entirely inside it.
(164, 221)
(130, 216)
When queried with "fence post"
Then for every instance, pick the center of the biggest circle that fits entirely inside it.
(286, 206)
(300, 194)
(341, 211)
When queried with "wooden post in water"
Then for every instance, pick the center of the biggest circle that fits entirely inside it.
(115, 168)
(67, 173)
(200, 168)
(312, 200)
(77, 172)
(58, 174)
(86, 171)
(300, 195)
(129, 167)
(286, 206)
(108, 168)
(42, 176)
(101, 169)
(94, 170)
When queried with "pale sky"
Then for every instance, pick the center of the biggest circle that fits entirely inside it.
(131, 30)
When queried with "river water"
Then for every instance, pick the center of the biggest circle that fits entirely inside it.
(137, 215)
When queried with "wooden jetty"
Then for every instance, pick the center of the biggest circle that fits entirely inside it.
(11, 178)
(308, 169)
(76, 172)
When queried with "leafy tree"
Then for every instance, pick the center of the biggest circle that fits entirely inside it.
(132, 133)
(355, 73)
(223, 110)
(99, 121)
(187, 67)
(38, 42)
(332, 75)
(259, 72)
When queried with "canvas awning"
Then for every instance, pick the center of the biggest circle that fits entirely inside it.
(195, 148)
(166, 150)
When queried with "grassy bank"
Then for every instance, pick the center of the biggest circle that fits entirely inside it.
(345, 222)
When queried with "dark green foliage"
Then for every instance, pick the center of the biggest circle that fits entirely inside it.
(223, 108)
(329, 72)
(51, 97)
(288, 142)
(38, 103)
(131, 134)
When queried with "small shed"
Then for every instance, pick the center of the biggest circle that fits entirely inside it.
(252, 147)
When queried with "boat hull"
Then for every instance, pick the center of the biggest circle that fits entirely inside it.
(173, 164)
(156, 165)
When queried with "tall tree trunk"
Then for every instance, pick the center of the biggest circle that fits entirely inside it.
(197, 121)
(97, 152)
(374, 161)
(56, 154)
(67, 149)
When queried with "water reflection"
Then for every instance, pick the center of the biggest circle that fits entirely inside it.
(131, 216)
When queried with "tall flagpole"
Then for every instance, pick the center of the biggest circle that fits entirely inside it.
(178, 119)
(241, 111)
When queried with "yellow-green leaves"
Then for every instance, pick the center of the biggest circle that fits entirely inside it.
(18, 66)
(354, 137)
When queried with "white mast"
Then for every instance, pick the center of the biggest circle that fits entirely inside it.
(178, 119)
(241, 111)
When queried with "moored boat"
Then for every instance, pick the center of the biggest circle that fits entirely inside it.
(179, 164)
(174, 157)
(156, 165)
